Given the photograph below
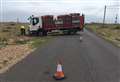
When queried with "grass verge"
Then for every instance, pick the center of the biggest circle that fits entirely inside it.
(110, 32)
(38, 41)
(20, 50)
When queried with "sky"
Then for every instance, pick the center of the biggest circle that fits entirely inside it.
(11, 10)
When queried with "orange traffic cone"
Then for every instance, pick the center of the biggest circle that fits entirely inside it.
(59, 75)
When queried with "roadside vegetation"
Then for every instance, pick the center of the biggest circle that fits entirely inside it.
(10, 33)
(110, 32)
(14, 47)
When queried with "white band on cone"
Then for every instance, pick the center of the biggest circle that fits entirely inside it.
(59, 68)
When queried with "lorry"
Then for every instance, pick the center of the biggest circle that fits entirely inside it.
(68, 24)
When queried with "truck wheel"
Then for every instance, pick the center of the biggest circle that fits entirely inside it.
(37, 33)
(44, 33)
(74, 32)
(69, 32)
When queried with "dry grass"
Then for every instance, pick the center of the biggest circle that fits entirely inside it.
(11, 54)
(14, 47)
(10, 31)
(110, 32)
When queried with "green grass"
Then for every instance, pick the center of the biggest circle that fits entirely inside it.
(38, 41)
(21, 42)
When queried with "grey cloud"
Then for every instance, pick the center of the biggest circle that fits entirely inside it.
(93, 9)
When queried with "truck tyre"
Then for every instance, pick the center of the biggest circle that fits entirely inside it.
(37, 33)
(75, 31)
(69, 32)
(44, 33)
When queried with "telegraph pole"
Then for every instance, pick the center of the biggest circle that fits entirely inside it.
(116, 18)
(104, 15)
(17, 20)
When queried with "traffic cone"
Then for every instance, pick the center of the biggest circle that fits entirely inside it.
(59, 75)
(81, 38)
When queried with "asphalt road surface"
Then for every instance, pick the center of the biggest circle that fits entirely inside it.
(92, 60)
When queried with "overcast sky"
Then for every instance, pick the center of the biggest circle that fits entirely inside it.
(93, 9)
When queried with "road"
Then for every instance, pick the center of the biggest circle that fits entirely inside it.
(92, 60)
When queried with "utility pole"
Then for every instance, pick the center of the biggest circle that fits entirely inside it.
(104, 16)
(17, 20)
(116, 18)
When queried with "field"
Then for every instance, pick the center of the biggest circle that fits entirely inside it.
(10, 32)
(13, 46)
(110, 32)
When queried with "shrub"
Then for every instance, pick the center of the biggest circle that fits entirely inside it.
(117, 27)
(8, 27)
(5, 30)
(21, 41)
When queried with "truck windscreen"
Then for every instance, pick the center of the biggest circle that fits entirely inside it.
(35, 21)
